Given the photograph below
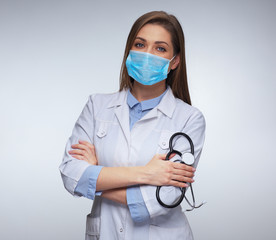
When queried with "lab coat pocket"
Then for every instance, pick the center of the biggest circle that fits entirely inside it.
(92, 228)
(163, 142)
(161, 233)
(102, 130)
(102, 143)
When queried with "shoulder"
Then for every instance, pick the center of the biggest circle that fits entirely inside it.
(187, 108)
(190, 113)
(101, 101)
(106, 99)
(104, 96)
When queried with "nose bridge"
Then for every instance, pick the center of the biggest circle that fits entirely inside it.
(150, 49)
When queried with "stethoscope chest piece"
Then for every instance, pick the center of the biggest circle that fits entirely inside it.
(188, 158)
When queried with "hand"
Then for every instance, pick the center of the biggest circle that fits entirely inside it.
(162, 172)
(84, 151)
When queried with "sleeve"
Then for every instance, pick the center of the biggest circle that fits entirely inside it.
(195, 128)
(86, 186)
(136, 205)
(72, 169)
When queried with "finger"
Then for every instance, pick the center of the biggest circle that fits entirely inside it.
(184, 167)
(182, 178)
(161, 156)
(88, 144)
(183, 173)
(77, 151)
(172, 155)
(80, 146)
(86, 155)
(84, 148)
(79, 157)
(92, 149)
(178, 184)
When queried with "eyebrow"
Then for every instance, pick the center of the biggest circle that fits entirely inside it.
(158, 42)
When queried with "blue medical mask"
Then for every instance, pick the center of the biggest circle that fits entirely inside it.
(147, 68)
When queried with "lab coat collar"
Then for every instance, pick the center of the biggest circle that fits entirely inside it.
(119, 100)
(166, 106)
(168, 103)
(146, 104)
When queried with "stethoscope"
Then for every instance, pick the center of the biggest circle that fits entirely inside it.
(186, 158)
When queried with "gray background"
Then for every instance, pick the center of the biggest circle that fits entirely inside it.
(53, 54)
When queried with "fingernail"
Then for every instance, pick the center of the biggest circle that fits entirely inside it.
(194, 169)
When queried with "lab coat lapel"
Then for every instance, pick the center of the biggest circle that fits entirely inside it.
(167, 104)
(122, 114)
(150, 114)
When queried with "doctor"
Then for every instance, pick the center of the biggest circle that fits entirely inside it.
(116, 153)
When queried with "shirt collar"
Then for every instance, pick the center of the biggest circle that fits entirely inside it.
(166, 106)
(147, 104)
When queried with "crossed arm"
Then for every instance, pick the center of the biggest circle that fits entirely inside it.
(112, 181)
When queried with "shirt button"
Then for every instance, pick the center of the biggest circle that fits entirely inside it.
(121, 230)
(103, 132)
(164, 143)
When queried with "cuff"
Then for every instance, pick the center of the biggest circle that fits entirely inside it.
(86, 186)
(136, 204)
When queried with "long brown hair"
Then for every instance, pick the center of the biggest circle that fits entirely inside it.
(177, 78)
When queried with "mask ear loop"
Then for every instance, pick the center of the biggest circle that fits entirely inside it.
(170, 62)
(173, 57)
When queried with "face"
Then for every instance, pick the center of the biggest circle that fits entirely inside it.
(155, 39)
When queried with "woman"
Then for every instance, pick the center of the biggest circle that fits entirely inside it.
(116, 153)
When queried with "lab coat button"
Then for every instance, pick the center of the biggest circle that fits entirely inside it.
(121, 229)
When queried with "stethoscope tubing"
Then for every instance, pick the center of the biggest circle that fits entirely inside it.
(184, 135)
(183, 190)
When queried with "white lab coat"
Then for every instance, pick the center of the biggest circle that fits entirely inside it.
(105, 122)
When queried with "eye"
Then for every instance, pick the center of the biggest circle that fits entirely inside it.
(139, 45)
(161, 49)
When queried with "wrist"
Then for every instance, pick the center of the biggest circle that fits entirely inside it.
(142, 175)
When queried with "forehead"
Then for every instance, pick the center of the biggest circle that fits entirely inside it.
(154, 32)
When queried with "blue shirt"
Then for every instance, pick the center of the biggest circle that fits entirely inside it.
(87, 183)
(137, 110)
